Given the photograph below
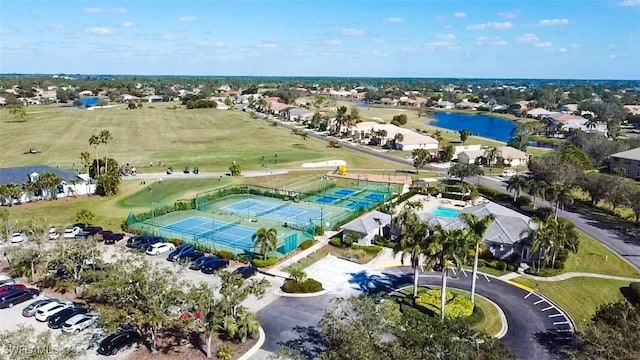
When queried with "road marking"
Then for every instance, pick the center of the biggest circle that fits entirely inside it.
(555, 315)
(560, 322)
(538, 302)
(485, 276)
(529, 294)
(547, 308)
(464, 272)
(454, 272)
(523, 287)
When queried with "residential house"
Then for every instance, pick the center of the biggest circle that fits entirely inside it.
(628, 160)
(506, 236)
(154, 98)
(369, 132)
(389, 101)
(633, 109)
(278, 108)
(368, 226)
(3, 101)
(511, 156)
(539, 113)
(298, 114)
(467, 105)
(71, 184)
(128, 98)
(470, 156)
(85, 93)
(445, 105)
(524, 105)
(460, 148)
(569, 108)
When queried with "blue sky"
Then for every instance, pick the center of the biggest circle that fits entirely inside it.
(507, 39)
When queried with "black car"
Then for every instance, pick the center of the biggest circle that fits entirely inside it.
(55, 321)
(113, 238)
(173, 256)
(190, 255)
(213, 265)
(143, 242)
(246, 271)
(118, 341)
(150, 241)
(197, 263)
(17, 296)
(134, 239)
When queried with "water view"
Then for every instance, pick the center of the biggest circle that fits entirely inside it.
(479, 125)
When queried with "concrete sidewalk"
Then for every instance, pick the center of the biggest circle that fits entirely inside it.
(570, 275)
(278, 269)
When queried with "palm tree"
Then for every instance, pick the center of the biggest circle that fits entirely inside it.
(516, 184)
(478, 227)
(94, 141)
(450, 244)
(490, 155)
(105, 138)
(265, 240)
(416, 245)
(297, 274)
(438, 135)
(592, 123)
(536, 188)
(85, 160)
(541, 240)
(562, 195)
(565, 236)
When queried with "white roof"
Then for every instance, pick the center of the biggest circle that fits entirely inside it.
(633, 154)
(540, 111)
(472, 154)
(507, 152)
(409, 136)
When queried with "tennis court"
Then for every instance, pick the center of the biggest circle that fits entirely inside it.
(216, 231)
(277, 211)
(350, 198)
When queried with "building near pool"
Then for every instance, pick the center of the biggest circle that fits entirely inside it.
(368, 226)
(507, 235)
(374, 133)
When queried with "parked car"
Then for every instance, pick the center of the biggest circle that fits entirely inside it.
(197, 263)
(118, 341)
(113, 238)
(79, 322)
(160, 248)
(508, 173)
(151, 240)
(105, 234)
(53, 234)
(17, 296)
(246, 271)
(190, 255)
(17, 237)
(53, 308)
(30, 310)
(70, 233)
(211, 266)
(6, 280)
(56, 321)
(179, 250)
(92, 230)
(11, 287)
(143, 242)
(133, 239)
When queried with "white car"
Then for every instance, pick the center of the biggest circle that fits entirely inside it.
(79, 322)
(159, 248)
(508, 174)
(17, 237)
(6, 280)
(71, 233)
(53, 234)
(53, 308)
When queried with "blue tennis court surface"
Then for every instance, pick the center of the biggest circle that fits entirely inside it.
(277, 211)
(345, 192)
(229, 233)
(373, 196)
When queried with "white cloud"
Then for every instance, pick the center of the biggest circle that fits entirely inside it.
(268, 45)
(491, 25)
(629, 3)
(100, 31)
(378, 40)
(218, 44)
(333, 42)
(494, 41)
(562, 50)
(446, 36)
(129, 24)
(459, 14)
(187, 18)
(439, 44)
(528, 38)
(57, 27)
(509, 14)
(498, 43)
(544, 44)
(95, 10)
(553, 22)
(394, 19)
(613, 56)
(353, 32)
(168, 37)
(575, 46)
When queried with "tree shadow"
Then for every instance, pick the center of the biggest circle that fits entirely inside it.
(309, 343)
(629, 295)
(375, 284)
(555, 343)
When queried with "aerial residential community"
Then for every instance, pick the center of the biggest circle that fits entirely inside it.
(441, 180)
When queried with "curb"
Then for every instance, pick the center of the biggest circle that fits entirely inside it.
(256, 347)
(307, 295)
(518, 285)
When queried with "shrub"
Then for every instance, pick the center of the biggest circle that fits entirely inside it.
(512, 267)
(482, 262)
(381, 241)
(635, 290)
(319, 230)
(456, 305)
(523, 201)
(264, 263)
(489, 192)
(225, 352)
(175, 241)
(305, 245)
(367, 248)
(543, 212)
(227, 255)
(337, 242)
(305, 287)
(558, 265)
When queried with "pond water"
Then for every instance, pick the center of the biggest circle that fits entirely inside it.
(479, 125)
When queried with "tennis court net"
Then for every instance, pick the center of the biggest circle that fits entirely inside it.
(275, 208)
(228, 225)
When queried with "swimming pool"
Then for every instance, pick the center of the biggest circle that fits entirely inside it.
(445, 213)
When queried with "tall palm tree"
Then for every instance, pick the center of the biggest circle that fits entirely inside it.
(516, 184)
(536, 188)
(564, 235)
(265, 240)
(477, 228)
(416, 245)
(490, 155)
(562, 195)
(450, 244)
(94, 141)
(541, 241)
(85, 160)
(105, 138)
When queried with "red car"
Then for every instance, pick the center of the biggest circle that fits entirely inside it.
(6, 288)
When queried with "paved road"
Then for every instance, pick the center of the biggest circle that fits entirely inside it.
(536, 328)
(621, 238)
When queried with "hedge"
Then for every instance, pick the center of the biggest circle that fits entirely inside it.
(308, 286)
(337, 242)
(456, 305)
(373, 249)
(305, 245)
(227, 255)
(264, 263)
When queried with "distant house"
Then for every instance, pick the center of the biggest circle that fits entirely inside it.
(460, 148)
(569, 108)
(389, 101)
(85, 93)
(408, 141)
(154, 98)
(128, 98)
(628, 160)
(3, 101)
(445, 105)
(467, 105)
(298, 114)
(511, 156)
(470, 156)
(539, 113)
(368, 226)
(633, 109)
(506, 236)
(71, 183)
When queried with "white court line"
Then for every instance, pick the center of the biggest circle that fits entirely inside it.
(560, 322)
(487, 278)
(529, 294)
(556, 315)
(547, 308)
(538, 302)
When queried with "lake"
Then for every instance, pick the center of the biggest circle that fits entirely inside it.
(479, 125)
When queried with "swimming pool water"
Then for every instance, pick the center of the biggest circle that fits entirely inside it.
(445, 213)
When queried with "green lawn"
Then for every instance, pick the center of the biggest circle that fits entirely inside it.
(359, 256)
(579, 297)
(593, 257)
(207, 138)
(622, 211)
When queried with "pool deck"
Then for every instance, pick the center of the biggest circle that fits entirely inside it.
(429, 203)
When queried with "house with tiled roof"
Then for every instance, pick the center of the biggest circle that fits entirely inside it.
(368, 226)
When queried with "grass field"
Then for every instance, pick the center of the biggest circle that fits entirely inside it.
(360, 256)
(207, 138)
(593, 257)
(580, 297)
